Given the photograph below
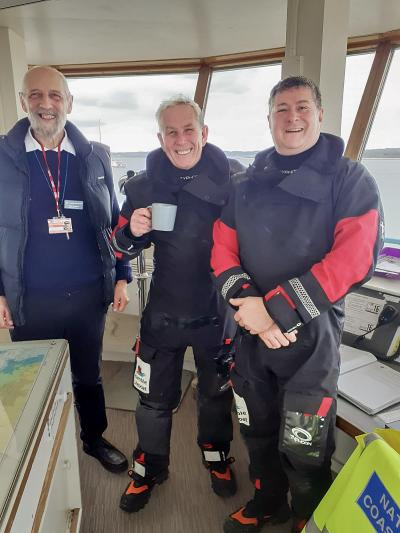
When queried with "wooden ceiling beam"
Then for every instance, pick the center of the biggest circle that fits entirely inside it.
(365, 43)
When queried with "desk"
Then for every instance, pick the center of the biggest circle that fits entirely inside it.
(350, 422)
(39, 489)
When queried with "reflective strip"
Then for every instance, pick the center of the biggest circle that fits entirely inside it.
(139, 469)
(122, 250)
(213, 456)
(371, 437)
(230, 282)
(304, 297)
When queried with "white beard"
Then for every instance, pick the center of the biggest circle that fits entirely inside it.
(50, 131)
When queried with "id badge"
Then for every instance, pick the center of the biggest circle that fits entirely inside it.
(241, 408)
(141, 380)
(73, 204)
(59, 225)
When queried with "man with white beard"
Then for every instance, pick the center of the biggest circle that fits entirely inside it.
(57, 271)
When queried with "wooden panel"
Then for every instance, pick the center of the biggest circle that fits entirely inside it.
(369, 101)
(75, 517)
(131, 67)
(52, 464)
(203, 86)
(367, 43)
(357, 44)
(348, 428)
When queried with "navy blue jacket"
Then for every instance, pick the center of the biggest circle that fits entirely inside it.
(94, 161)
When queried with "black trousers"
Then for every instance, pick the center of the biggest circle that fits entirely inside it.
(79, 317)
(163, 348)
(286, 401)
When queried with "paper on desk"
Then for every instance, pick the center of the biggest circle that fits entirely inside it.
(361, 313)
(388, 266)
(390, 416)
(373, 387)
(351, 358)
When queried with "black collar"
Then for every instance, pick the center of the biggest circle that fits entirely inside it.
(312, 180)
(210, 184)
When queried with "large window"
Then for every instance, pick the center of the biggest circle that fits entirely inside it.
(382, 153)
(237, 109)
(119, 111)
(357, 71)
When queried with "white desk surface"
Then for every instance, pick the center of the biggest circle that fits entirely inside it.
(356, 417)
(361, 420)
(347, 410)
(390, 286)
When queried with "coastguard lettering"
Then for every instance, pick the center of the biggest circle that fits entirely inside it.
(390, 510)
(379, 507)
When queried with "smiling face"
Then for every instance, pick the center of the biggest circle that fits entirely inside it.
(181, 137)
(45, 100)
(294, 121)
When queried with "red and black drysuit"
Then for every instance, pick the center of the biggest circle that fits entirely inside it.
(183, 307)
(302, 239)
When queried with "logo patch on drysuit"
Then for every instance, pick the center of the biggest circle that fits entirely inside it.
(304, 435)
(242, 411)
(141, 380)
(301, 436)
(379, 507)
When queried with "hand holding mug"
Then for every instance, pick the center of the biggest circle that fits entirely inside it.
(140, 223)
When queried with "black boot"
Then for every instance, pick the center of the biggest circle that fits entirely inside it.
(223, 481)
(264, 508)
(147, 471)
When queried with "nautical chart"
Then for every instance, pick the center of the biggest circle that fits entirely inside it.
(19, 368)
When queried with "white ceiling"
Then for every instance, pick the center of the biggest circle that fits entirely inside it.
(92, 31)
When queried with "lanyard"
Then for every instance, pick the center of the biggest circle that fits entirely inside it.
(55, 190)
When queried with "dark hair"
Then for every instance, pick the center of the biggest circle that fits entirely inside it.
(295, 81)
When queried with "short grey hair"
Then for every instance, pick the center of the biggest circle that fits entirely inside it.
(295, 81)
(179, 99)
(48, 67)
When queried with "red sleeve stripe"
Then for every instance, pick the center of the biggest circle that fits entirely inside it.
(325, 406)
(279, 290)
(122, 221)
(351, 255)
(225, 252)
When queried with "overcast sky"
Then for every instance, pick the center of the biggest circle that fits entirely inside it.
(121, 109)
